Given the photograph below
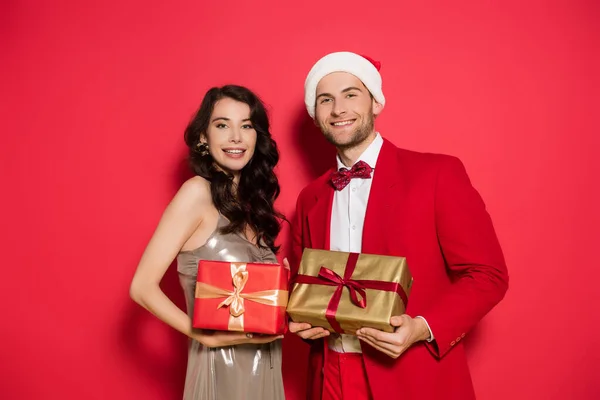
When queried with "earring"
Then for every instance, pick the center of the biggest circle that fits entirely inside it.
(202, 148)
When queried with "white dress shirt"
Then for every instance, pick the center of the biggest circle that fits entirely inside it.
(347, 221)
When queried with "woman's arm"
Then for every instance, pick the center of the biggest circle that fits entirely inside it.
(183, 216)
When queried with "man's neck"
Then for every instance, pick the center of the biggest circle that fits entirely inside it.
(350, 155)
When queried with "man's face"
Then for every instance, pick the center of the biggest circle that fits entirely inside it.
(345, 110)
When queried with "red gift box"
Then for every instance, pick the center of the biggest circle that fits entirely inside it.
(238, 296)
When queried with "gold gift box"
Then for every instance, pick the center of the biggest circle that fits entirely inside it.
(326, 276)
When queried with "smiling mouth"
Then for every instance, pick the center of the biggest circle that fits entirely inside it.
(343, 123)
(234, 151)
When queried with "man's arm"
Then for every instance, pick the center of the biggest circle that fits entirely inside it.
(303, 330)
(473, 256)
(297, 242)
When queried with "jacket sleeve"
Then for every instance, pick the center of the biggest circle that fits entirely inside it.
(297, 240)
(298, 243)
(473, 257)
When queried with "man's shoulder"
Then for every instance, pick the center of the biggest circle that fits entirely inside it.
(420, 159)
(315, 187)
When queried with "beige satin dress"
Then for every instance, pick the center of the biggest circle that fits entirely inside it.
(241, 372)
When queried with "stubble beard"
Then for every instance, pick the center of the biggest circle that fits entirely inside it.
(358, 136)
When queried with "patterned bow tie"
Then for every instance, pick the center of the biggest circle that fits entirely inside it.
(340, 179)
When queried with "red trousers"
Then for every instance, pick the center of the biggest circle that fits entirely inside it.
(345, 377)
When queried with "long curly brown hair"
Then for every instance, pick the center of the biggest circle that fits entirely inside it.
(252, 201)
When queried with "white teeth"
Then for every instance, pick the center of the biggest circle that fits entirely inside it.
(342, 123)
(234, 151)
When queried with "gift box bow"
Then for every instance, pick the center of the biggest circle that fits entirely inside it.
(234, 299)
(356, 288)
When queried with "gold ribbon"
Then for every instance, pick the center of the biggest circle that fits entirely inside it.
(235, 299)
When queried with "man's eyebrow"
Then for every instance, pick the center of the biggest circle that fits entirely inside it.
(351, 88)
(325, 95)
(343, 91)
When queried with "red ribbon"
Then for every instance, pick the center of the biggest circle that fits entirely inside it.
(355, 287)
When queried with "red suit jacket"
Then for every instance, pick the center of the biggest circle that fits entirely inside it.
(422, 207)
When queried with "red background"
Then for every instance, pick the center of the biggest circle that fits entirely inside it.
(95, 98)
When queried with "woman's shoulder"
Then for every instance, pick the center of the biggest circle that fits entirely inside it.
(195, 189)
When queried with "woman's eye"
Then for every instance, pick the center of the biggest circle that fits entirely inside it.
(221, 126)
(247, 126)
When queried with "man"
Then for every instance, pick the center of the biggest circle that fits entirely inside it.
(389, 201)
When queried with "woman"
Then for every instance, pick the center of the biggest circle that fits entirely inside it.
(223, 213)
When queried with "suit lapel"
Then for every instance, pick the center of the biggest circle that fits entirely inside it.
(319, 217)
(387, 184)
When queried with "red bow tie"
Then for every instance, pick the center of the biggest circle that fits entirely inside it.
(340, 179)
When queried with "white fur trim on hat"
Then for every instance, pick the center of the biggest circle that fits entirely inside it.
(343, 61)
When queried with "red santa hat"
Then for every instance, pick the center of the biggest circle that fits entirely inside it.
(362, 67)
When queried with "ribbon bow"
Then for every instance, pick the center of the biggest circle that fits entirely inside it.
(235, 301)
(353, 286)
(340, 179)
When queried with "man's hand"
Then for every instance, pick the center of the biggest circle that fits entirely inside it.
(306, 331)
(408, 331)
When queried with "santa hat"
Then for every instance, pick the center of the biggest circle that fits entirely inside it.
(362, 67)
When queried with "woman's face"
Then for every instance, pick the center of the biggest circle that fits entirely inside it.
(230, 136)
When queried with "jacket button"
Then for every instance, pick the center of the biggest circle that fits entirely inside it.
(458, 339)
(452, 343)
(463, 335)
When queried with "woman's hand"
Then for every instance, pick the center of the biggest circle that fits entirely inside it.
(210, 338)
